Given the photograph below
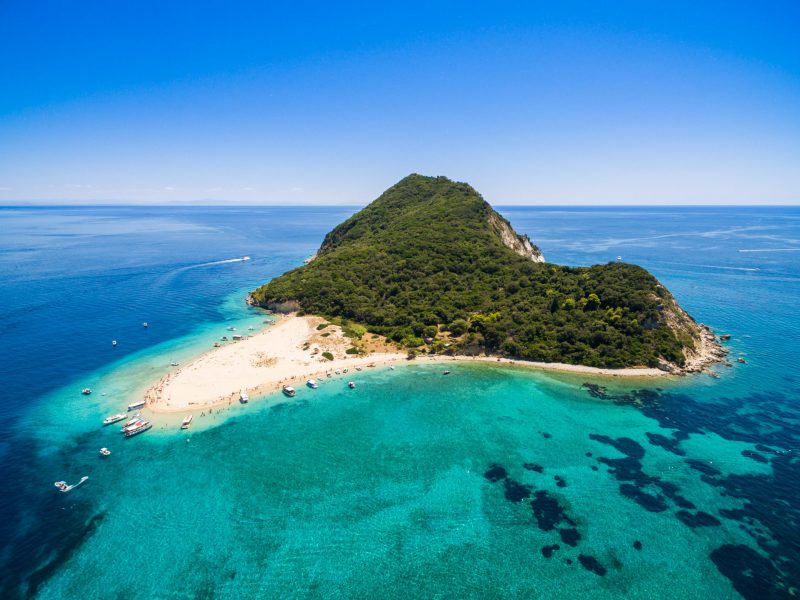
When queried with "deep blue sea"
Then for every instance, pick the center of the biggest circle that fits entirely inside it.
(497, 481)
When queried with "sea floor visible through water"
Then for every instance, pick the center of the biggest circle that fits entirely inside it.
(494, 480)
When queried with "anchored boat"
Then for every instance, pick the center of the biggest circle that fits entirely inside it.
(113, 419)
(289, 391)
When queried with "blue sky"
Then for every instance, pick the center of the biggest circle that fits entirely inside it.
(300, 102)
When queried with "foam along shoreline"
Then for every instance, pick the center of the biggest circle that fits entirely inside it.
(289, 352)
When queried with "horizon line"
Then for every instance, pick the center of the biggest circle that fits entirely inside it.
(67, 204)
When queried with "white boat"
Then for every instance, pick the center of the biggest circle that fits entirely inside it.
(231, 328)
(619, 258)
(132, 424)
(140, 427)
(338, 372)
(187, 420)
(136, 405)
(245, 258)
(351, 385)
(288, 391)
(64, 487)
(446, 373)
(113, 419)
(244, 398)
(105, 452)
(144, 324)
(312, 383)
(173, 364)
(113, 342)
(86, 391)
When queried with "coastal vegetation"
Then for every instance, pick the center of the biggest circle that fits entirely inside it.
(433, 267)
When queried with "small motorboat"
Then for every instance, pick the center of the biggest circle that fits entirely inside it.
(312, 383)
(351, 385)
(113, 419)
(145, 325)
(113, 342)
(446, 373)
(63, 486)
(245, 258)
(173, 364)
(86, 391)
(390, 368)
(725, 337)
(231, 328)
(358, 368)
(105, 452)
(289, 391)
(187, 420)
(619, 258)
(714, 375)
(741, 359)
(136, 405)
(224, 338)
(244, 398)
(216, 344)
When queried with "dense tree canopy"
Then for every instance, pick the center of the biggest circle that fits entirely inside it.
(422, 265)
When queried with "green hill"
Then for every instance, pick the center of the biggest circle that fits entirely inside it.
(431, 265)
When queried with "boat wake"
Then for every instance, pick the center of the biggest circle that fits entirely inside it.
(771, 250)
(216, 262)
(174, 273)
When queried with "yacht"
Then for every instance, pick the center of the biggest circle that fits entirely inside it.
(105, 452)
(113, 342)
(312, 383)
(113, 418)
(351, 385)
(86, 391)
(136, 405)
(187, 420)
(289, 391)
(140, 427)
(244, 398)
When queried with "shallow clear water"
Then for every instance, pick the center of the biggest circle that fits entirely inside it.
(414, 484)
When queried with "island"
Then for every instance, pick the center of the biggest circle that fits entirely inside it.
(430, 271)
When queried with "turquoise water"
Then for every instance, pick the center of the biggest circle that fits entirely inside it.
(414, 484)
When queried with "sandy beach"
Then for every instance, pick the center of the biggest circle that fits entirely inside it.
(289, 352)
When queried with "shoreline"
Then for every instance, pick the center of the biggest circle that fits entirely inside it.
(289, 352)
